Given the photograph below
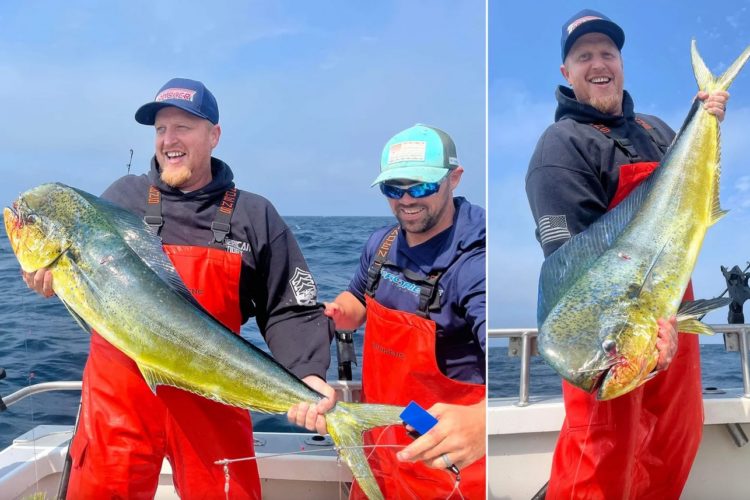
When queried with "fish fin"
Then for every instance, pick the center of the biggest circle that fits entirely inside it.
(156, 378)
(703, 76)
(694, 326)
(144, 243)
(690, 312)
(648, 281)
(346, 423)
(716, 211)
(81, 322)
(569, 262)
(726, 79)
(706, 80)
(151, 377)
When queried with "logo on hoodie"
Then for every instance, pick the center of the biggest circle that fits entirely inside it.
(303, 286)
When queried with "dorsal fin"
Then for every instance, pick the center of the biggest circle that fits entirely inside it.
(563, 268)
(136, 234)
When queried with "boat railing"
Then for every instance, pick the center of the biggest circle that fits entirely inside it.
(522, 343)
(346, 390)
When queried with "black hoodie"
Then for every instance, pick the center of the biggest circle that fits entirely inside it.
(298, 334)
(574, 171)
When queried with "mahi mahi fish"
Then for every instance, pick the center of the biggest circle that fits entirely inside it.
(113, 276)
(601, 293)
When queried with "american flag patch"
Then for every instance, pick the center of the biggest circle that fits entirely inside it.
(553, 228)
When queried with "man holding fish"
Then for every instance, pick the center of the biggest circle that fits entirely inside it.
(420, 287)
(238, 259)
(594, 155)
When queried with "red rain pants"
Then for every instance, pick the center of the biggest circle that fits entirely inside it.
(399, 366)
(124, 430)
(642, 444)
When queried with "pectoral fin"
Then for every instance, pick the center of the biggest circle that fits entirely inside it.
(689, 314)
(81, 322)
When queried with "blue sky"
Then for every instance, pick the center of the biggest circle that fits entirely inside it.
(524, 60)
(309, 92)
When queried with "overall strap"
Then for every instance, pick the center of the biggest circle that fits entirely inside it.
(373, 273)
(221, 225)
(153, 210)
(429, 296)
(655, 135)
(626, 146)
(623, 143)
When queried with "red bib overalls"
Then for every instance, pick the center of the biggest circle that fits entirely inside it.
(640, 445)
(399, 366)
(125, 430)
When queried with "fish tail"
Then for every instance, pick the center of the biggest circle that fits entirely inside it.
(346, 423)
(706, 80)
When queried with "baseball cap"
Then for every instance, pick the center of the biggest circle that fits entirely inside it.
(589, 21)
(189, 95)
(420, 153)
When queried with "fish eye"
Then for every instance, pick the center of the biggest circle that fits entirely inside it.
(609, 346)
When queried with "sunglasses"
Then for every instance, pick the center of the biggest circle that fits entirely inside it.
(421, 190)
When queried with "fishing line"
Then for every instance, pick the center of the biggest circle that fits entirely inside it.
(29, 377)
(225, 462)
(583, 448)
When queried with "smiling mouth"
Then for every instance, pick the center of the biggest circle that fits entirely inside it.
(600, 80)
(171, 155)
(412, 211)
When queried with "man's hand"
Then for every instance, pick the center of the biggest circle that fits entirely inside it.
(311, 417)
(715, 103)
(334, 311)
(40, 281)
(346, 311)
(459, 434)
(666, 343)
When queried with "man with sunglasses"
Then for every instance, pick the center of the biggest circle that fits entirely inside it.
(421, 288)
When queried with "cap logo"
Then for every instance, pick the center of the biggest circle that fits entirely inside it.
(179, 94)
(580, 21)
(407, 151)
(452, 160)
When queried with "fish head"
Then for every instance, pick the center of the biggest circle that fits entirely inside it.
(36, 234)
(633, 355)
(570, 343)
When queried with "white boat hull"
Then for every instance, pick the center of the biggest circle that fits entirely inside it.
(522, 439)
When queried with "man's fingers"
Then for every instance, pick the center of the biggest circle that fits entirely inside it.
(415, 450)
(47, 284)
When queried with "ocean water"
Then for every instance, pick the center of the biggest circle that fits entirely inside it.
(40, 341)
(718, 369)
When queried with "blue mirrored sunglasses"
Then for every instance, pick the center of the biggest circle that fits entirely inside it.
(421, 190)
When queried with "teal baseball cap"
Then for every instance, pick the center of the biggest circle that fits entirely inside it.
(420, 153)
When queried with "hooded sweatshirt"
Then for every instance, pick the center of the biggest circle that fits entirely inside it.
(275, 283)
(459, 252)
(574, 171)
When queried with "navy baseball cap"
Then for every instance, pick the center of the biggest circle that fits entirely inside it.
(589, 21)
(188, 95)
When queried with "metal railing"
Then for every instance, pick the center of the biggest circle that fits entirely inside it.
(522, 343)
(347, 390)
(30, 390)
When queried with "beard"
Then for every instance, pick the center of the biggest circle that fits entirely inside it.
(609, 105)
(176, 178)
(418, 226)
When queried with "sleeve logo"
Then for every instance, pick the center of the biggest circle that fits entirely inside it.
(553, 228)
(303, 286)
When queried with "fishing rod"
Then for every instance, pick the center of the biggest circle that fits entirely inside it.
(131, 159)
(2, 404)
(727, 276)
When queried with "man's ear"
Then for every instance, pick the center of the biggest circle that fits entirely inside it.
(564, 72)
